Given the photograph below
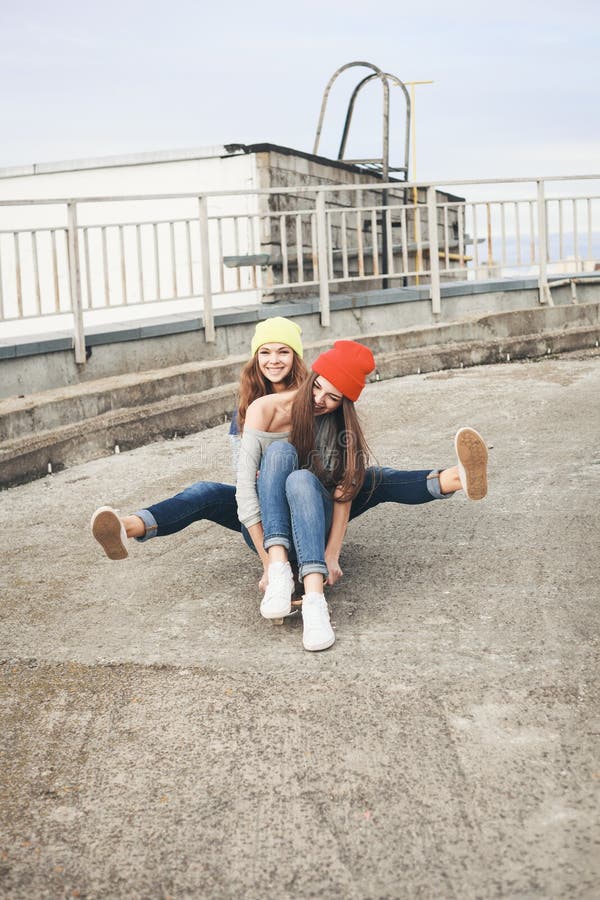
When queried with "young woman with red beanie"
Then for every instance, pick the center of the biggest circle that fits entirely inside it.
(311, 457)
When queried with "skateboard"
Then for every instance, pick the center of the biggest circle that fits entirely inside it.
(296, 607)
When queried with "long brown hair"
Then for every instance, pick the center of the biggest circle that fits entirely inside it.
(253, 384)
(351, 450)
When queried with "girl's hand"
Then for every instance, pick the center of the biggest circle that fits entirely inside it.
(335, 572)
(262, 584)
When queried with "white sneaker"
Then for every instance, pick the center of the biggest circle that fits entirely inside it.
(318, 633)
(110, 532)
(472, 462)
(277, 601)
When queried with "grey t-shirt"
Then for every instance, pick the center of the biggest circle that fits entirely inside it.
(252, 446)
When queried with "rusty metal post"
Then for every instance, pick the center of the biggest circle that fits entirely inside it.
(75, 283)
(434, 259)
(385, 174)
(322, 258)
(209, 322)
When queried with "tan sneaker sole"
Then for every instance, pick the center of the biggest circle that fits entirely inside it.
(107, 529)
(472, 462)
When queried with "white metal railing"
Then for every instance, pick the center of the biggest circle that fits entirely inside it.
(117, 252)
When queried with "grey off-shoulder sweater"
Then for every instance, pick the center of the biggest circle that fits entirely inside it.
(252, 446)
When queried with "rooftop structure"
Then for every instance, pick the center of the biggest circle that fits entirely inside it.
(158, 737)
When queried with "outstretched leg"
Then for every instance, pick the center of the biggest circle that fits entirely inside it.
(279, 460)
(387, 485)
(209, 500)
(311, 509)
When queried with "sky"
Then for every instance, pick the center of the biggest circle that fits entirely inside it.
(516, 88)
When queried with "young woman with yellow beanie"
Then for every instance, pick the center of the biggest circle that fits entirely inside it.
(312, 458)
(275, 365)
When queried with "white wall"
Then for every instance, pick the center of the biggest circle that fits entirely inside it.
(151, 174)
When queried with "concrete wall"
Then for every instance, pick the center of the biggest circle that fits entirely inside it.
(207, 169)
(278, 169)
(28, 367)
(144, 174)
(119, 268)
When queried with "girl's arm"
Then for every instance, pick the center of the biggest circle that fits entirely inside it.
(247, 495)
(249, 459)
(339, 523)
(259, 418)
(257, 534)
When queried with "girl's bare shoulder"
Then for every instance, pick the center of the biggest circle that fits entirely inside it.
(270, 413)
(259, 412)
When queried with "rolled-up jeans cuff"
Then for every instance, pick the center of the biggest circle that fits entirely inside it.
(150, 522)
(434, 487)
(313, 568)
(276, 540)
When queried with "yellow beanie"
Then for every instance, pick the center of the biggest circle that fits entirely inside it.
(277, 330)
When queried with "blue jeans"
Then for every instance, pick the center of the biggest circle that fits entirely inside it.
(297, 510)
(385, 485)
(215, 502)
(203, 500)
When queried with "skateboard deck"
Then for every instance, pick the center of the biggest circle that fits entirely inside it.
(296, 606)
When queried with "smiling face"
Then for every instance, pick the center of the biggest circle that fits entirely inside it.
(326, 397)
(275, 362)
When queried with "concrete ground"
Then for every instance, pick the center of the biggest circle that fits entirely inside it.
(159, 739)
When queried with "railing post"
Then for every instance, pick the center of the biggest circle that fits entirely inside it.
(322, 257)
(209, 322)
(434, 259)
(75, 283)
(544, 290)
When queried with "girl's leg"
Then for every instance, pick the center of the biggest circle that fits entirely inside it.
(450, 481)
(208, 500)
(310, 509)
(279, 460)
(386, 485)
(311, 512)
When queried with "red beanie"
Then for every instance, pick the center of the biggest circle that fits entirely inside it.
(346, 366)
